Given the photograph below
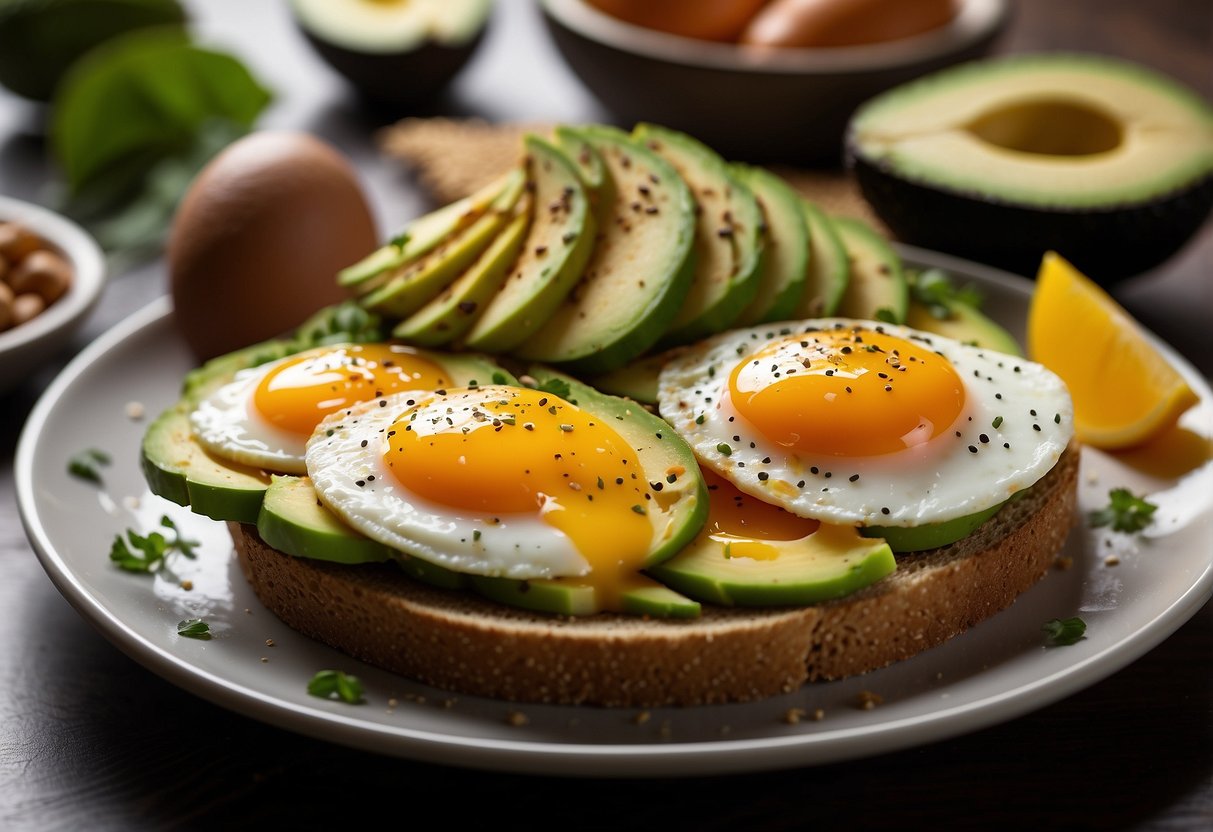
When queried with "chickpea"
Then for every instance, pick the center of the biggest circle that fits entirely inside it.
(44, 273)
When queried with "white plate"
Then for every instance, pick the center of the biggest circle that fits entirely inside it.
(993, 673)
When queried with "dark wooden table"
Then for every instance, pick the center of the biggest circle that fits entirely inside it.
(91, 740)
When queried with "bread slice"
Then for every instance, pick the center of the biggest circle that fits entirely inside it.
(460, 642)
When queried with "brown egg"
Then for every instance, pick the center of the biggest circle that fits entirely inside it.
(704, 19)
(819, 23)
(259, 237)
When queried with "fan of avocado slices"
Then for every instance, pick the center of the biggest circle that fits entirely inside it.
(581, 271)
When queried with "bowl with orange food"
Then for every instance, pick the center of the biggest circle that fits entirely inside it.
(763, 80)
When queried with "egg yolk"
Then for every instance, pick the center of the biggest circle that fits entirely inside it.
(847, 392)
(499, 450)
(746, 524)
(296, 394)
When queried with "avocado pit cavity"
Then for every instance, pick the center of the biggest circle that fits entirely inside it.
(1049, 127)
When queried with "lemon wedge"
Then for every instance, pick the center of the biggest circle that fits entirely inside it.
(1124, 391)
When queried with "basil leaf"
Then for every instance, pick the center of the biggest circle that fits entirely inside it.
(141, 98)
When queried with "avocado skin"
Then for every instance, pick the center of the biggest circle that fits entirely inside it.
(1110, 244)
(397, 82)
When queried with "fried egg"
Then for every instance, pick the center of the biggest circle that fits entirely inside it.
(265, 416)
(859, 423)
(496, 480)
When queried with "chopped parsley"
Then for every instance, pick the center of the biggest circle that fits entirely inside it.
(335, 684)
(86, 464)
(147, 553)
(194, 628)
(1124, 512)
(1062, 633)
(500, 378)
(400, 241)
(725, 448)
(885, 314)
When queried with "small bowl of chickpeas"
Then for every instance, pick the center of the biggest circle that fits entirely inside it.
(51, 276)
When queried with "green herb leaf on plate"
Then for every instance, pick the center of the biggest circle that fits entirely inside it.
(86, 465)
(194, 628)
(1125, 512)
(1062, 633)
(330, 684)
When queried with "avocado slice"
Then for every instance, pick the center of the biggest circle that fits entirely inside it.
(590, 166)
(728, 236)
(785, 257)
(829, 269)
(829, 563)
(640, 270)
(408, 288)
(558, 244)
(1104, 161)
(932, 535)
(395, 53)
(424, 234)
(293, 521)
(876, 289)
(636, 380)
(452, 313)
(936, 306)
(567, 596)
(177, 468)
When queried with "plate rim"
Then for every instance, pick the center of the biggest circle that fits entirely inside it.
(671, 759)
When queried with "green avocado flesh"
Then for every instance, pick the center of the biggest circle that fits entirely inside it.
(932, 536)
(408, 288)
(179, 469)
(876, 289)
(728, 236)
(963, 323)
(1106, 162)
(559, 242)
(829, 270)
(785, 255)
(640, 269)
(423, 235)
(829, 563)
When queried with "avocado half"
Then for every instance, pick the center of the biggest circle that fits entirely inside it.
(396, 53)
(1106, 162)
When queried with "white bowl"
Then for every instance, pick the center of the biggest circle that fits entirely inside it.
(26, 347)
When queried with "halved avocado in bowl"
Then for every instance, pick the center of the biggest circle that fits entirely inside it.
(1104, 161)
(396, 53)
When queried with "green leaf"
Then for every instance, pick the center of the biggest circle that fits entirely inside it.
(933, 288)
(194, 628)
(86, 464)
(329, 684)
(557, 387)
(1062, 633)
(147, 553)
(1125, 512)
(141, 98)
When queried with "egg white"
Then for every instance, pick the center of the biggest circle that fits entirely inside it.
(970, 467)
(228, 425)
(345, 462)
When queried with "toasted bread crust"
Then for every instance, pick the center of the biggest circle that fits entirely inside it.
(459, 642)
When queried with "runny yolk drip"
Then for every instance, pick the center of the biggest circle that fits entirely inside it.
(747, 525)
(506, 450)
(298, 393)
(847, 392)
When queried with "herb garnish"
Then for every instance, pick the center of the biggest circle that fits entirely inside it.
(1124, 512)
(934, 290)
(557, 387)
(194, 628)
(85, 464)
(329, 684)
(139, 553)
(1061, 633)
(499, 378)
